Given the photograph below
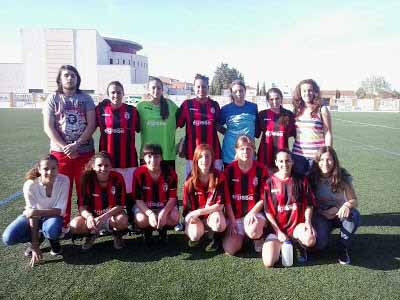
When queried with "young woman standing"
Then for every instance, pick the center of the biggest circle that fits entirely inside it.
(313, 125)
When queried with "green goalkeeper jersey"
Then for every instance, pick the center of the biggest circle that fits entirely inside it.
(155, 130)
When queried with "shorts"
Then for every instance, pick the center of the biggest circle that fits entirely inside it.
(240, 224)
(127, 173)
(137, 210)
(105, 227)
(218, 164)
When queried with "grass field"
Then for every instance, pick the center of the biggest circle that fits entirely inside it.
(368, 145)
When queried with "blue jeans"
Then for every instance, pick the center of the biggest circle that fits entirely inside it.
(302, 165)
(19, 230)
(323, 228)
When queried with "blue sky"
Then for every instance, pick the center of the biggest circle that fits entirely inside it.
(338, 44)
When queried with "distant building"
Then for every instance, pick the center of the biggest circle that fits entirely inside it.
(175, 87)
(98, 59)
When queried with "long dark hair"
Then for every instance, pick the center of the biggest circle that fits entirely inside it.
(298, 102)
(164, 111)
(33, 173)
(297, 180)
(237, 82)
(283, 116)
(339, 177)
(156, 149)
(58, 79)
(89, 175)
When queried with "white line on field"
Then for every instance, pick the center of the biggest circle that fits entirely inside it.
(367, 124)
(370, 147)
(10, 198)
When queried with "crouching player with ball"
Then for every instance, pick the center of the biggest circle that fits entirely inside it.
(288, 206)
(102, 209)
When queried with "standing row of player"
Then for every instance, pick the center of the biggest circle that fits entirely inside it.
(70, 119)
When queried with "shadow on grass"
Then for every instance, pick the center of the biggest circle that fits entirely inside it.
(136, 251)
(371, 251)
(382, 219)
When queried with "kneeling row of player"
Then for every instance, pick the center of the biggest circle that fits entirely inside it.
(232, 200)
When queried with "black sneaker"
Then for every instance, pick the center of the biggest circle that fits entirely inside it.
(301, 253)
(148, 237)
(55, 247)
(343, 256)
(162, 235)
(213, 246)
(193, 244)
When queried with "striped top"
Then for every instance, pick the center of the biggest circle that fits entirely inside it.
(309, 136)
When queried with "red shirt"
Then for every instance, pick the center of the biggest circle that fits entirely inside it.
(245, 189)
(200, 120)
(99, 200)
(274, 135)
(117, 133)
(198, 198)
(280, 201)
(155, 193)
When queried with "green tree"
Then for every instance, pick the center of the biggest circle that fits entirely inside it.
(360, 93)
(375, 86)
(263, 91)
(223, 77)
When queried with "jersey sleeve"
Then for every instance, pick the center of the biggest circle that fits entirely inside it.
(136, 186)
(181, 114)
(87, 198)
(137, 119)
(173, 185)
(121, 191)
(221, 190)
(269, 207)
(186, 202)
(308, 195)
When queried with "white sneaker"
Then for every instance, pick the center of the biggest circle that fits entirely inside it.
(258, 245)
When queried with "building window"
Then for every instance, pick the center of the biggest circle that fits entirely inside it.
(123, 61)
(117, 61)
(129, 61)
(111, 61)
(134, 64)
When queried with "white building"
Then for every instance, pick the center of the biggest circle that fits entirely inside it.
(98, 59)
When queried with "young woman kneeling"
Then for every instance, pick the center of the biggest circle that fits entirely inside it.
(204, 195)
(288, 206)
(337, 202)
(46, 196)
(246, 178)
(103, 204)
(154, 189)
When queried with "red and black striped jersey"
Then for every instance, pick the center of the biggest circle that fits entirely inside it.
(281, 201)
(155, 193)
(99, 200)
(201, 121)
(199, 198)
(245, 189)
(274, 135)
(117, 133)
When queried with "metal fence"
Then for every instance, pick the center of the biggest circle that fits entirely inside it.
(36, 100)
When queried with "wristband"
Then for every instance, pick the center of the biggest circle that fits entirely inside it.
(149, 212)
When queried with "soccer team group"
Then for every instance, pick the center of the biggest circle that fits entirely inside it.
(269, 195)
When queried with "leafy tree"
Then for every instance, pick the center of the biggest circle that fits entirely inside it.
(375, 86)
(360, 93)
(396, 94)
(263, 91)
(223, 77)
(258, 89)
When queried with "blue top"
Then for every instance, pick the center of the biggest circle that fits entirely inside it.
(239, 120)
